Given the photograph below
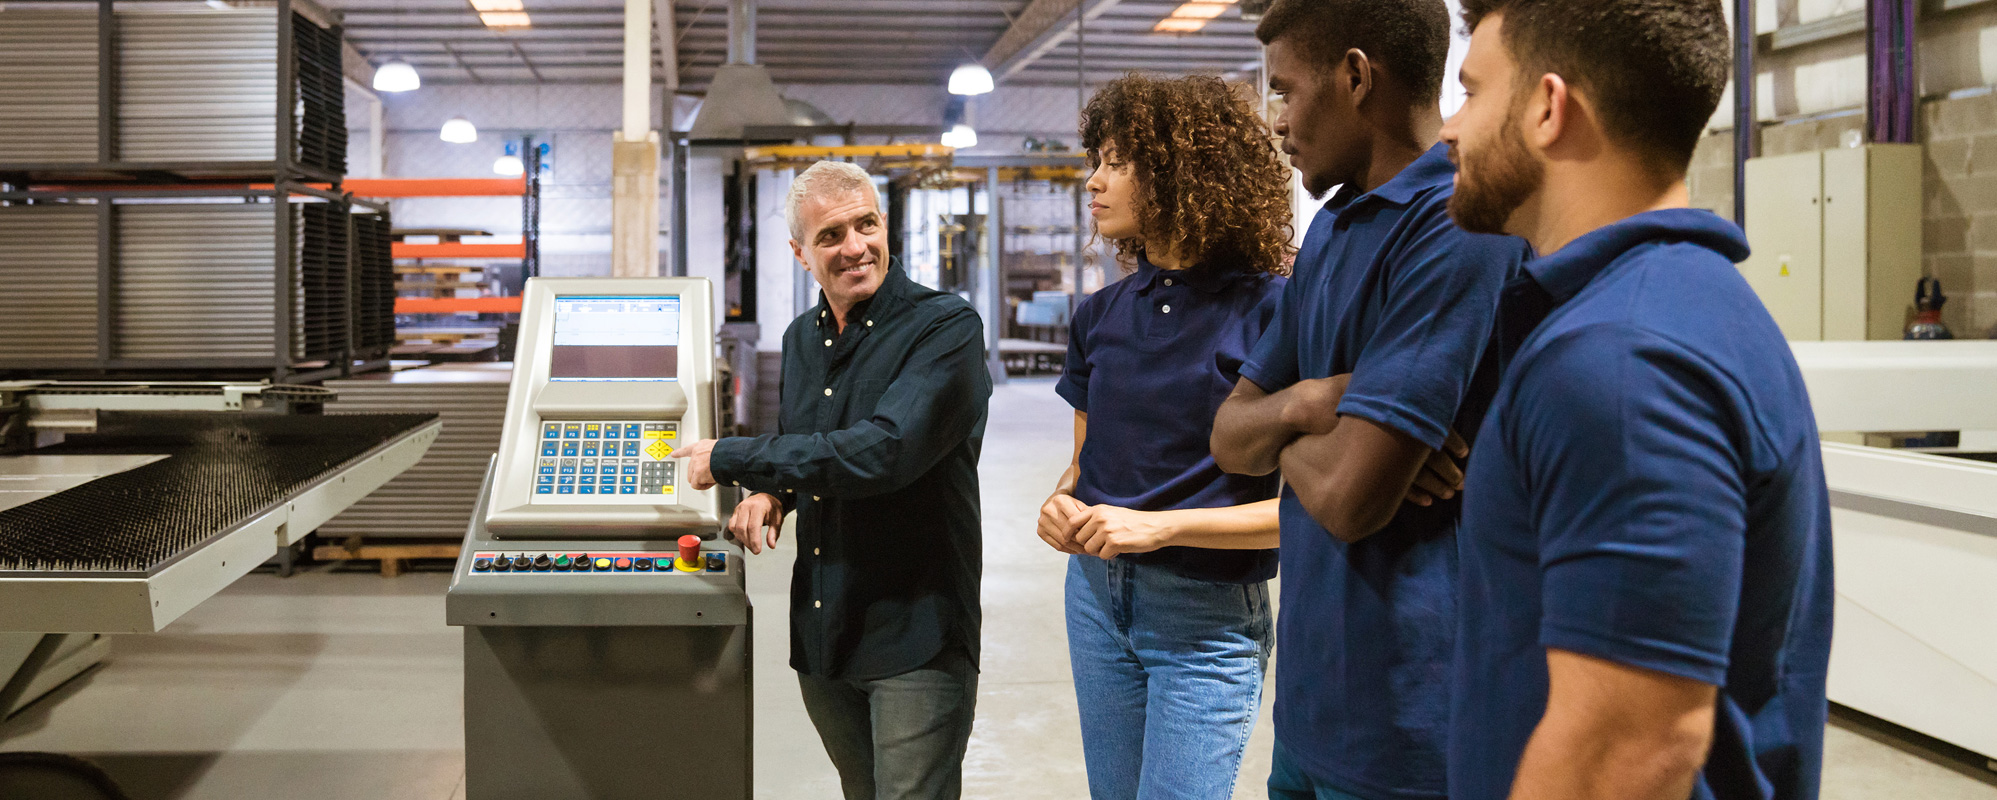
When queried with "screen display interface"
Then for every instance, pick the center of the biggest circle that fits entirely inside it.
(616, 339)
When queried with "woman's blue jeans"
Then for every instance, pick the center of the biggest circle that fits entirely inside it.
(1168, 674)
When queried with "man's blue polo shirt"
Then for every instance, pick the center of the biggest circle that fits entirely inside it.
(1150, 359)
(1648, 489)
(1386, 288)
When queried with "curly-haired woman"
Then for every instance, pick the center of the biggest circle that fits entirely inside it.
(1167, 599)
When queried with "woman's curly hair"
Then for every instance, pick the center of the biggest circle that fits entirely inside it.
(1209, 178)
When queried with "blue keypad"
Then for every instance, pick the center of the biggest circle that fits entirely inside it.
(586, 490)
(589, 470)
(630, 449)
(549, 450)
(630, 469)
(568, 480)
(547, 480)
(589, 451)
(565, 490)
(630, 490)
(632, 430)
(544, 490)
(568, 449)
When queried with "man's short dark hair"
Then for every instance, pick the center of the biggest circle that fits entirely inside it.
(1654, 68)
(1409, 37)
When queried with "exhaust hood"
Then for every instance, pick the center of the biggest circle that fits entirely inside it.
(741, 94)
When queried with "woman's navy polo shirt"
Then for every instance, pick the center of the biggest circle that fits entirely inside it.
(1150, 359)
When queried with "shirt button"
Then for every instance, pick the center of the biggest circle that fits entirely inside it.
(1168, 281)
(817, 604)
(870, 323)
(814, 498)
(828, 342)
(828, 391)
(814, 551)
(1166, 309)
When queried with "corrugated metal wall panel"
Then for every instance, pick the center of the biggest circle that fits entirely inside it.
(197, 84)
(48, 266)
(48, 86)
(433, 499)
(196, 281)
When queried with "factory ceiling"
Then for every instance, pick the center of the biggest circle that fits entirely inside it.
(1024, 42)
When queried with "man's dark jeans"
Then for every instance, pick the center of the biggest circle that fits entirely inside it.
(902, 737)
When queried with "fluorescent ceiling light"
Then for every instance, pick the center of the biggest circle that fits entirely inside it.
(1199, 10)
(396, 76)
(497, 5)
(459, 131)
(509, 165)
(1178, 25)
(971, 79)
(505, 19)
(960, 137)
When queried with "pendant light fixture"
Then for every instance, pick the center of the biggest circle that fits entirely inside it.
(971, 79)
(960, 137)
(459, 131)
(396, 76)
(510, 164)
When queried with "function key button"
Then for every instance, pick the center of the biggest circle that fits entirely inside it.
(551, 430)
(588, 470)
(592, 434)
(547, 469)
(589, 451)
(612, 432)
(586, 490)
(550, 450)
(545, 480)
(630, 449)
(568, 480)
(630, 490)
(568, 450)
(632, 429)
(571, 434)
(565, 490)
(544, 490)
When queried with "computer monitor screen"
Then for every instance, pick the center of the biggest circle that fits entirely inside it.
(631, 338)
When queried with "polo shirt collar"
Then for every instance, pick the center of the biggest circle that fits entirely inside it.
(1432, 170)
(892, 295)
(1211, 281)
(1567, 271)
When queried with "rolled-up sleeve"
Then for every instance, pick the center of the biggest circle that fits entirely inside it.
(932, 405)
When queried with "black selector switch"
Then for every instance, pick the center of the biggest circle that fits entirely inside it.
(542, 563)
(581, 563)
(717, 562)
(502, 564)
(523, 562)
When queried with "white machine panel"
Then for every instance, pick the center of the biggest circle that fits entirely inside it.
(614, 374)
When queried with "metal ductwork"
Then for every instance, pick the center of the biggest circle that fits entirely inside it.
(741, 94)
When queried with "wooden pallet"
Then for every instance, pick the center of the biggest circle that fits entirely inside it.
(391, 556)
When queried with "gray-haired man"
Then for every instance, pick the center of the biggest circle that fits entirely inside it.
(884, 395)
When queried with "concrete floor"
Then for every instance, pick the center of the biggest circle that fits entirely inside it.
(346, 685)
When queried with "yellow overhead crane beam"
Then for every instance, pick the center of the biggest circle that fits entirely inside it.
(907, 155)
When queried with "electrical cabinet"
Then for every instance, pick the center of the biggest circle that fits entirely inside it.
(1836, 236)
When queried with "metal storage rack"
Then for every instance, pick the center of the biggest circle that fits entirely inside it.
(433, 499)
(170, 195)
(157, 91)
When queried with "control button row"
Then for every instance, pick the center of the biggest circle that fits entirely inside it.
(582, 562)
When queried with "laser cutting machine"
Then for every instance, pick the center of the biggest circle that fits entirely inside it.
(1915, 531)
(125, 505)
(607, 642)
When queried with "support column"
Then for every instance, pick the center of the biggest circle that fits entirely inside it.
(634, 192)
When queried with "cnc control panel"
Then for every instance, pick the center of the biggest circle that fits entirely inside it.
(608, 462)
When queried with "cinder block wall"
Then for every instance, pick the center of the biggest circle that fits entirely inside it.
(1960, 187)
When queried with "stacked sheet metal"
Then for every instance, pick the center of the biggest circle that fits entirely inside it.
(435, 498)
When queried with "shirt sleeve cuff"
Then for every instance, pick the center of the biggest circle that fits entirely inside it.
(1423, 430)
(1074, 392)
(728, 460)
(1669, 658)
(1262, 378)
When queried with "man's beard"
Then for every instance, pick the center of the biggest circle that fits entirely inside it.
(1493, 182)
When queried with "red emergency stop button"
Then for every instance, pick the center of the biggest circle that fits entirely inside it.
(689, 560)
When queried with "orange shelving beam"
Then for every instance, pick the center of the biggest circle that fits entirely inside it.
(435, 187)
(449, 305)
(458, 250)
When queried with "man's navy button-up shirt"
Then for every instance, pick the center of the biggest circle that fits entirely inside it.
(1388, 289)
(1150, 359)
(1648, 489)
(877, 450)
